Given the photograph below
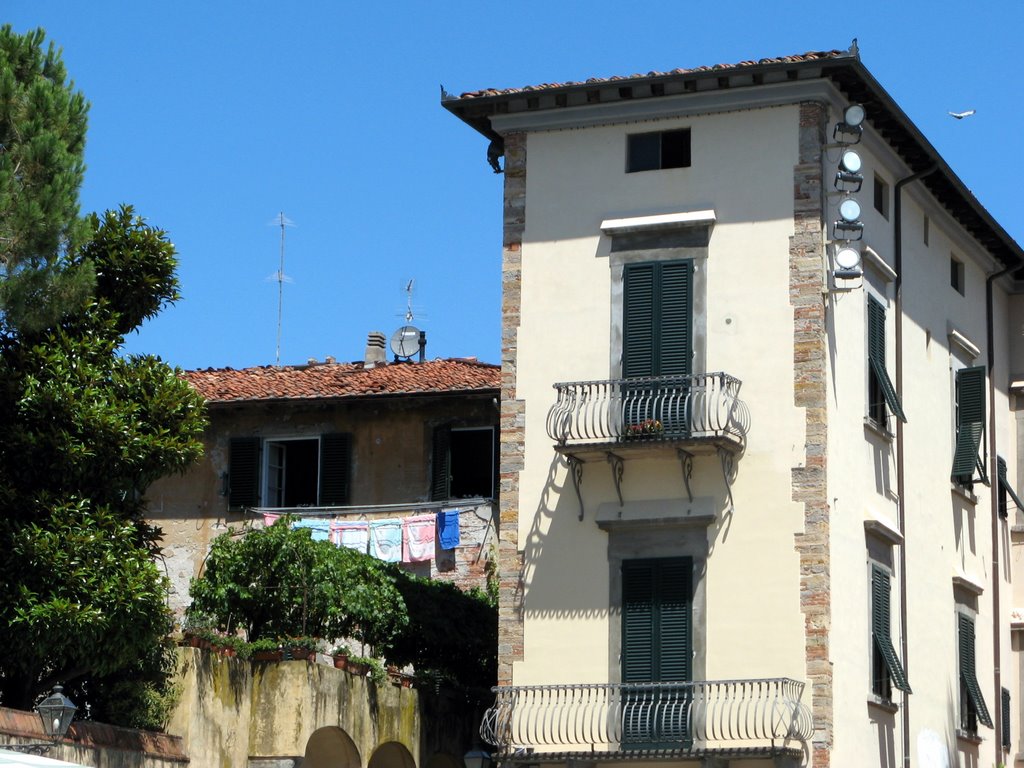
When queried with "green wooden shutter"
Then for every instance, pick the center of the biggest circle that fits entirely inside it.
(970, 394)
(244, 472)
(335, 469)
(1005, 722)
(638, 598)
(881, 620)
(638, 320)
(674, 338)
(1006, 489)
(657, 306)
(657, 596)
(876, 357)
(968, 675)
(440, 485)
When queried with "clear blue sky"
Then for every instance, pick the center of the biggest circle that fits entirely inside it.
(211, 117)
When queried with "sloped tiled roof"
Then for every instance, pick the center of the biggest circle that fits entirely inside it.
(792, 59)
(342, 380)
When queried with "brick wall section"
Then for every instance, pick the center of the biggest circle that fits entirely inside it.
(809, 389)
(513, 413)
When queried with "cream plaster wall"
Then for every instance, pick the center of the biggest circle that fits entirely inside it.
(575, 180)
(945, 534)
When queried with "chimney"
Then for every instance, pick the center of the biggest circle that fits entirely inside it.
(374, 350)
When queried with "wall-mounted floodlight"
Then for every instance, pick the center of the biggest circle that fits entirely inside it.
(850, 129)
(849, 178)
(849, 226)
(847, 261)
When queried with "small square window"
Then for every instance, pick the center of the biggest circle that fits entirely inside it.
(881, 196)
(658, 150)
(956, 274)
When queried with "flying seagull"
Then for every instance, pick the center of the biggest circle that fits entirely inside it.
(962, 115)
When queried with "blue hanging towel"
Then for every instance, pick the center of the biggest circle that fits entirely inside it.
(448, 528)
(319, 529)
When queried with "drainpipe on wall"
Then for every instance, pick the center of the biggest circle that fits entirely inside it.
(901, 503)
(994, 492)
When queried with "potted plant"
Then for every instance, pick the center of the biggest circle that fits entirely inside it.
(266, 649)
(398, 677)
(645, 428)
(359, 665)
(302, 648)
(341, 654)
(197, 629)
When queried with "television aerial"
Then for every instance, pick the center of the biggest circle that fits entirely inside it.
(405, 342)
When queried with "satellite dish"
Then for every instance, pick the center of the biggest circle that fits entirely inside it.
(405, 342)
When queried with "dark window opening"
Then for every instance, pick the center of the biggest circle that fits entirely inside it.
(881, 684)
(292, 472)
(881, 196)
(956, 275)
(464, 463)
(658, 150)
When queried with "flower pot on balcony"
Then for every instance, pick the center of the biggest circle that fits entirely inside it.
(340, 660)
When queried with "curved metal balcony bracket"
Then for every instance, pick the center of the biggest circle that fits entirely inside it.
(728, 472)
(686, 461)
(576, 472)
(618, 468)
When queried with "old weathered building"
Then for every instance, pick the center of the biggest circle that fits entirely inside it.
(758, 426)
(335, 442)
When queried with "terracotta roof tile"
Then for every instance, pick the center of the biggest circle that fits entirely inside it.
(809, 56)
(334, 380)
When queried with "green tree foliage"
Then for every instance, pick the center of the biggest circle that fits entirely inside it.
(82, 432)
(42, 142)
(277, 581)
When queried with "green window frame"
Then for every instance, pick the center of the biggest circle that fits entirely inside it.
(244, 472)
(887, 670)
(972, 703)
(657, 318)
(970, 426)
(881, 392)
(657, 647)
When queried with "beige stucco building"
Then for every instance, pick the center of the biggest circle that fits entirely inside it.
(750, 495)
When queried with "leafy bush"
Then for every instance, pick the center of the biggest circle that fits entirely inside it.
(279, 582)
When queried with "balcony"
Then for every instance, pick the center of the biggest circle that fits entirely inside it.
(619, 419)
(699, 413)
(650, 721)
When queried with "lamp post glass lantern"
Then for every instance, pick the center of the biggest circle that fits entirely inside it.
(56, 712)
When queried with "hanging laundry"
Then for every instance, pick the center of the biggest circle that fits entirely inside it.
(418, 538)
(320, 529)
(448, 528)
(386, 539)
(351, 535)
(269, 519)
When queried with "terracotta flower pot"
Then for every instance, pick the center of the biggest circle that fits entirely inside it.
(341, 661)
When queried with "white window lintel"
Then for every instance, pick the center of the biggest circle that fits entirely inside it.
(958, 339)
(657, 222)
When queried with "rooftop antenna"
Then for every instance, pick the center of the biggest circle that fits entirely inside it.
(408, 304)
(282, 221)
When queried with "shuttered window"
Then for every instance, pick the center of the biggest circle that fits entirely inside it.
(244, 472)
(970, 425)
(1005, 721)
(881, 391)
(657, 598)
(335, 469)
(440, 482)
(887, 662)
(656, 328)
(972, 703)
(304, 471)
(1006, 489)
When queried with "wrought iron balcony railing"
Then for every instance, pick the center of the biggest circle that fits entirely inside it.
(700, 408)
(708, 716)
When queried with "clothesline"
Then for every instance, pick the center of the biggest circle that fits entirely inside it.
(409, 539)
(464, 505)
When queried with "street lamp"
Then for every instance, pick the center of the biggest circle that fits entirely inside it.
(56, 711)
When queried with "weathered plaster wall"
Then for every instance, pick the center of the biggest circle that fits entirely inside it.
(391, 464)
(233, 712)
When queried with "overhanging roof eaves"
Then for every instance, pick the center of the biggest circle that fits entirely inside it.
(843, 68)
